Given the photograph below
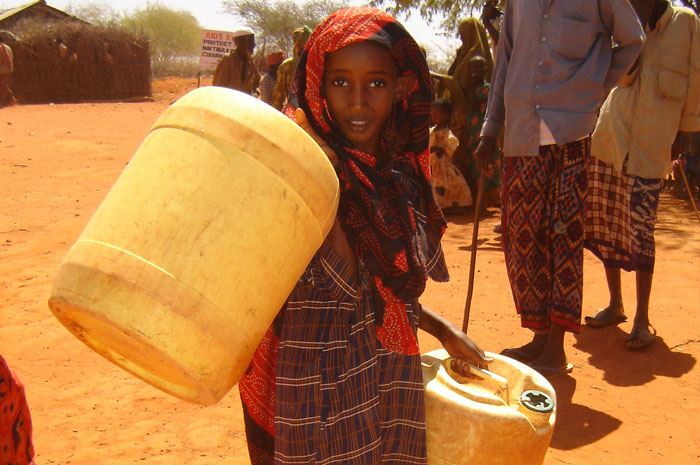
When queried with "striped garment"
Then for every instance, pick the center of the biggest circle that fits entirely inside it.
(267, 86)
(322, 388)
(620, 217)
(543, 219)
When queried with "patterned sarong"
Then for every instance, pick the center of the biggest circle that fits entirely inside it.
(16, 446)
(620, 217)
(543, 219)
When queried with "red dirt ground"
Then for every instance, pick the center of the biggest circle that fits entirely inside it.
(57, 162)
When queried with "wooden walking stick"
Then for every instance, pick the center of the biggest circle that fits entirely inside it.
(472, 265)
(690, 192)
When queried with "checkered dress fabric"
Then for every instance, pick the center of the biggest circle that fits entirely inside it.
(339, 396)
(620, 217)
(543, 219)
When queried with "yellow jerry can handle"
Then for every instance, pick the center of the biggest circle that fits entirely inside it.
(503, 389)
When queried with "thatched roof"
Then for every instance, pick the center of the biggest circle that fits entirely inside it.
(35, 10)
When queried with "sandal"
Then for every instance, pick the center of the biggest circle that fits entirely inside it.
(641, 341)
(604, 318)
(550, 373)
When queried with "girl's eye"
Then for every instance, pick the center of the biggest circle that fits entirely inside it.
(340, 82)
(377, 83)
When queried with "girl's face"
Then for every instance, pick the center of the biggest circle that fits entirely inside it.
(438, 116)
(361, 84)
(477, 71)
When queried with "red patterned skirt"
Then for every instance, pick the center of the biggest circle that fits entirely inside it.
(543, 206)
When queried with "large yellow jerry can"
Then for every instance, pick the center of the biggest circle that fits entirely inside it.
(507, 417)
(188, 259)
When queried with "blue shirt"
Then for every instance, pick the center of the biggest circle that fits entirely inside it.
(556, 61)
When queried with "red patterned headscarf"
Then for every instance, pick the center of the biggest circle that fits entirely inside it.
(387, 207)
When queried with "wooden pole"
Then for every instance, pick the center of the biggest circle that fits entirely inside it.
(472, 265)
(690, 192)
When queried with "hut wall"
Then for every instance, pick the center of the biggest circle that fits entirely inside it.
(74, 62)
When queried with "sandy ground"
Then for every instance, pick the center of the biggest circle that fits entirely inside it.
(57, 163)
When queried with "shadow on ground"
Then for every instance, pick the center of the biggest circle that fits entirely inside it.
(622, 367)
(577, 425)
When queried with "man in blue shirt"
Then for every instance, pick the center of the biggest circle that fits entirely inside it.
(556, 62)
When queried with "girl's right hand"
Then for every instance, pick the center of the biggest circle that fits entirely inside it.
(303, 122)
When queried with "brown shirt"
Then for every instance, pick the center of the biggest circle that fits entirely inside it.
(237, 73)
(642, 115)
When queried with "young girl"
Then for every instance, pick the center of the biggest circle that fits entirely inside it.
(451, 189)
(338, 377)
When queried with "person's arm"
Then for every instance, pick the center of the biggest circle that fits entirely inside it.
(622, 22)
(455, 342)
(495, 110)
(690, 114)
(488, 15)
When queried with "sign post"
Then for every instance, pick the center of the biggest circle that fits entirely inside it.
(215, 44)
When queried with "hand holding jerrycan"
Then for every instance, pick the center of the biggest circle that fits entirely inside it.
(188, 259)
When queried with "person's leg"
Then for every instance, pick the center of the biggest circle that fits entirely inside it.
(524, 225)
(612, 276)
(614, 313)
(643, 279)
(552, 359)
(641, 337)
(645, 202)
(4, 89)
(564, 242)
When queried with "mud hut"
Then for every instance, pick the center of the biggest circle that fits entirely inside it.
(59, 58)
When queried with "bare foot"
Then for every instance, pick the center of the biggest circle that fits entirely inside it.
(529, 351)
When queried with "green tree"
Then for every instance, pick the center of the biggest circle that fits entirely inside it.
(274, 22)
(175, 37)
(455, 10)
(452, 11)
(692, 4)
(98, 14)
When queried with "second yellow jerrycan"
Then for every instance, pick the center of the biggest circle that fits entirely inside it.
(188, 259)
(505, 417)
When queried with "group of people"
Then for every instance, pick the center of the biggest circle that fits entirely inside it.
(585, 151)
(237, 70)
(587, 98)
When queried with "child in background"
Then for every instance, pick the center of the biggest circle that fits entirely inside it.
(451, 189)
(338, 376)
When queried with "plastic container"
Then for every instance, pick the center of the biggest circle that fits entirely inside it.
(188, 259)
(505, 418)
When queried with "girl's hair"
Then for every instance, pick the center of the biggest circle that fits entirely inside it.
(477, 59)
(443, 104)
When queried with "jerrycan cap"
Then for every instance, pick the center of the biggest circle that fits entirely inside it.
(537, 401)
